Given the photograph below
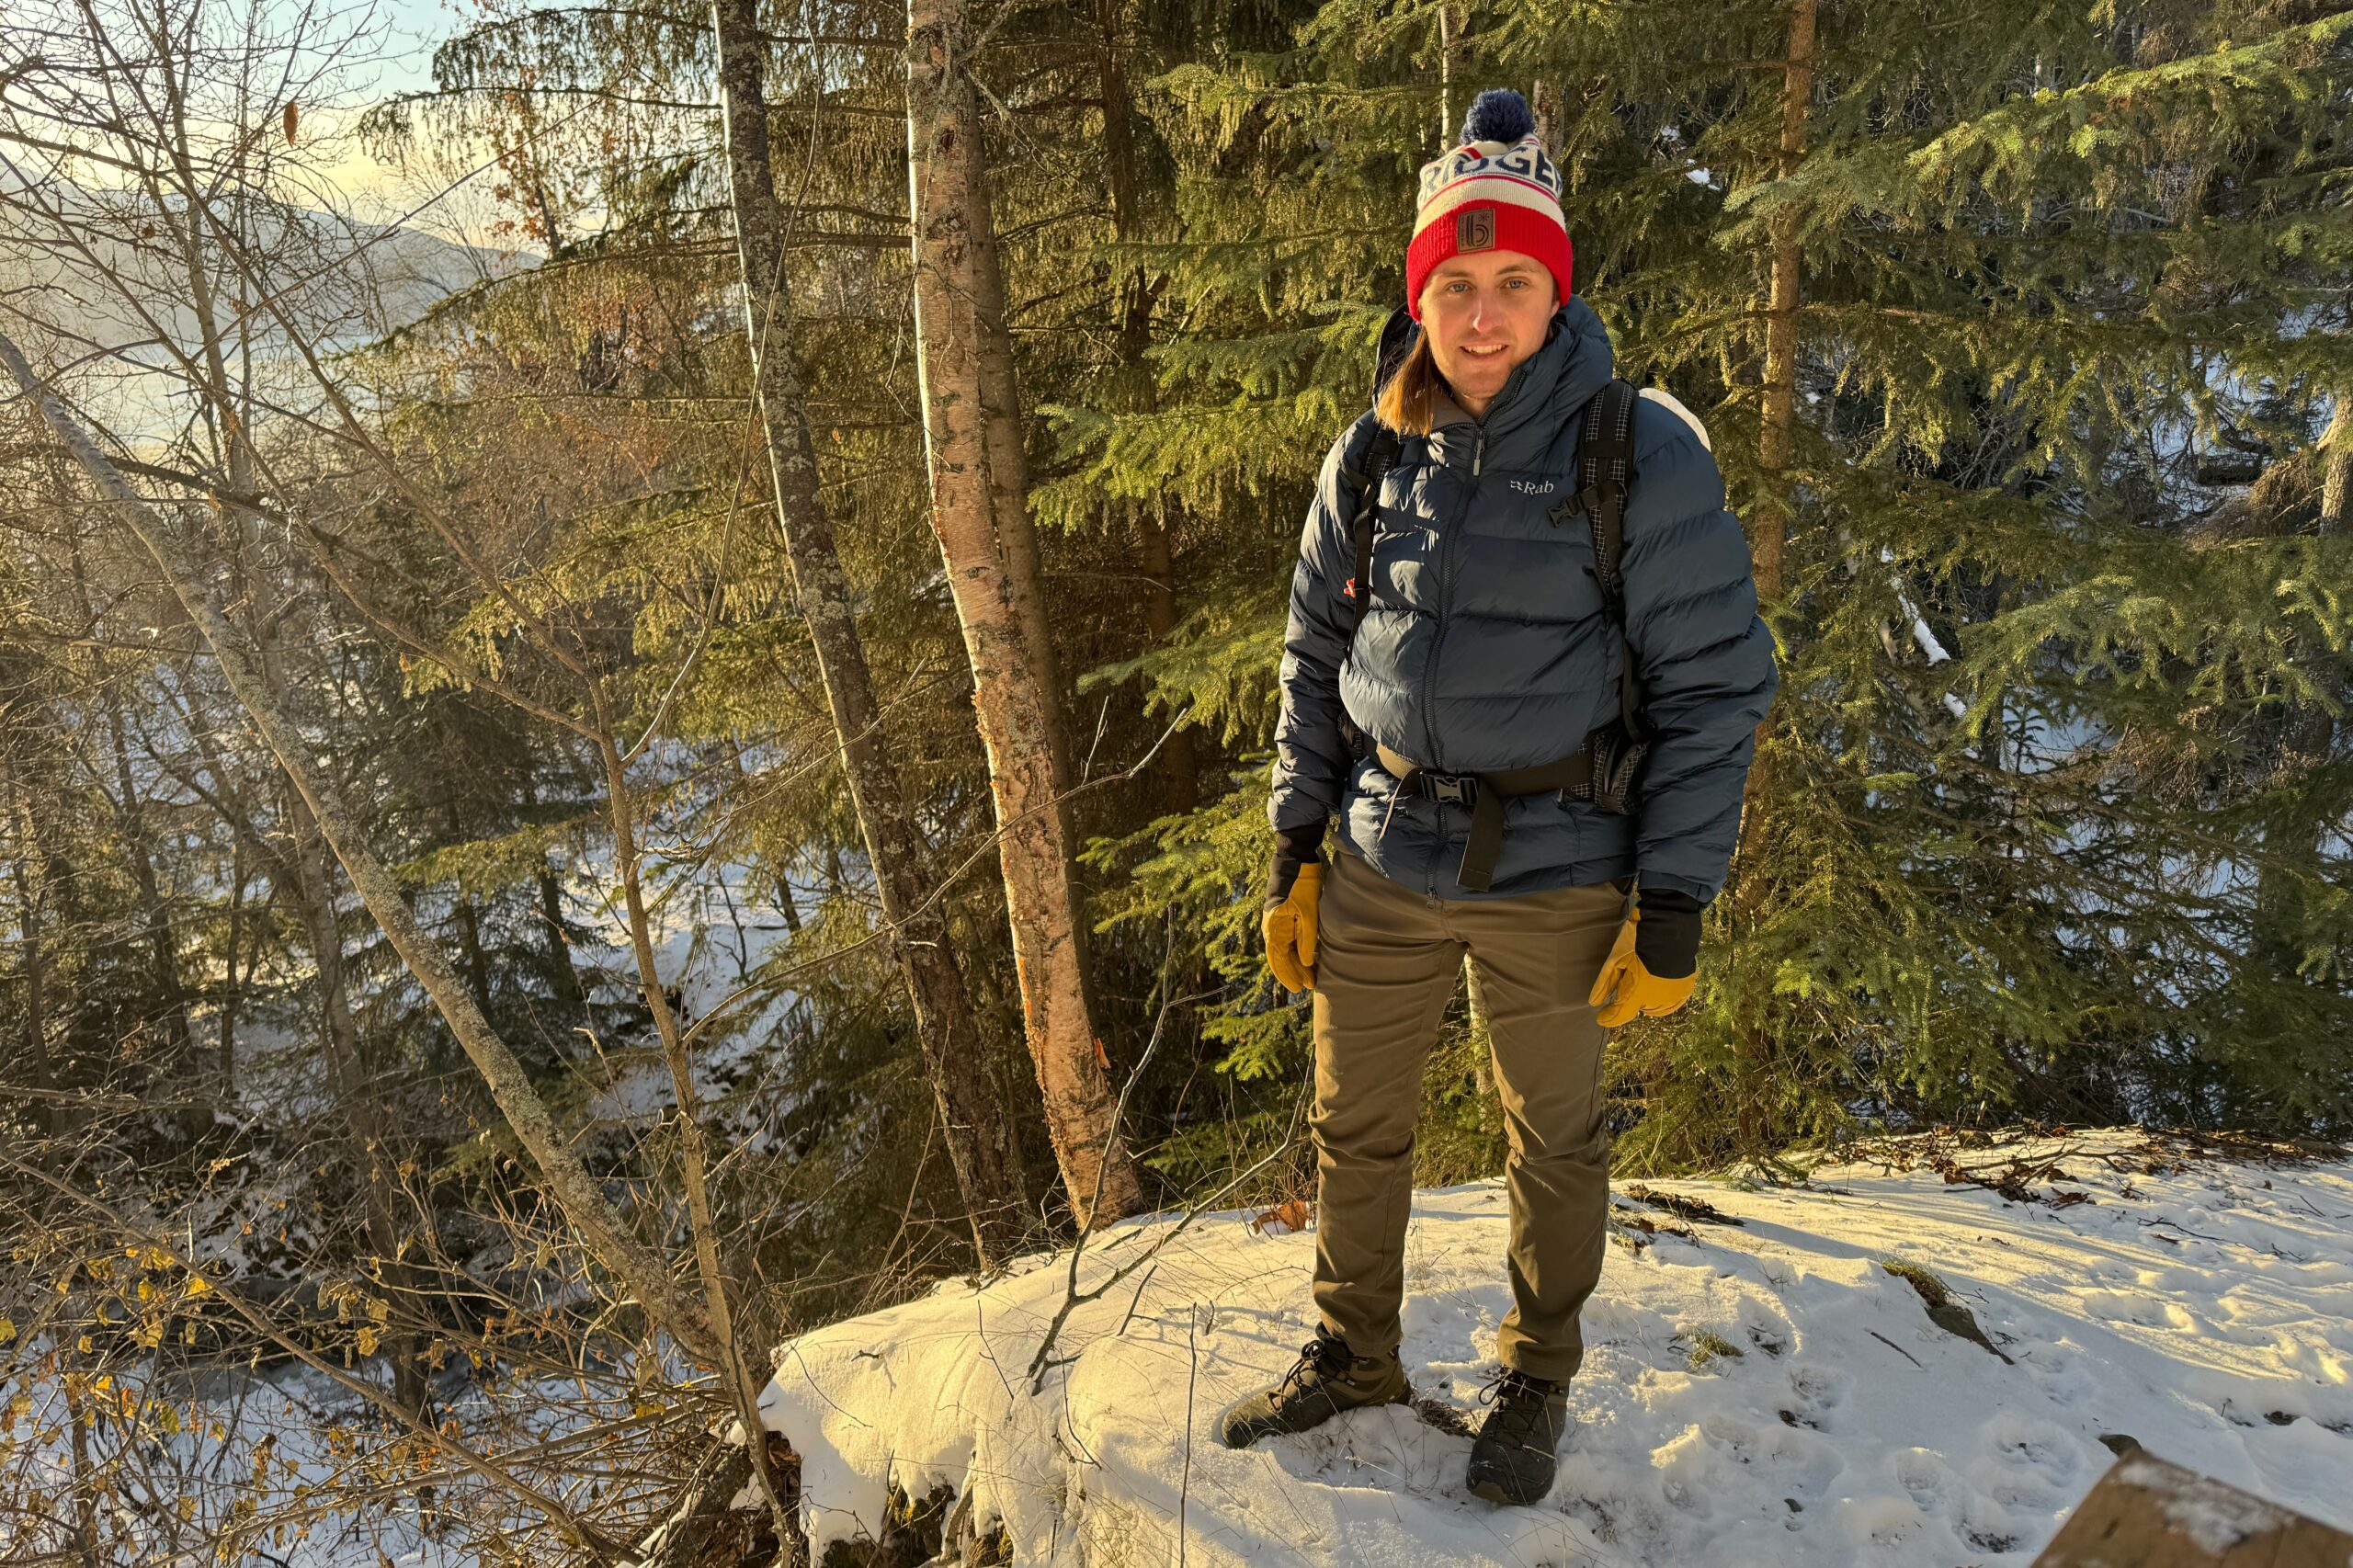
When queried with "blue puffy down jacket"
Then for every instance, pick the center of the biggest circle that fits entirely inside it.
(1486, 646)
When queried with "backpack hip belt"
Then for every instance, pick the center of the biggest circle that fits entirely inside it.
(1484, 794)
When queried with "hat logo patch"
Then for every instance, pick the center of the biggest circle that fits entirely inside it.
(1474, 229)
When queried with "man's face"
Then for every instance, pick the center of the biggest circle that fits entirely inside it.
(1484, 313)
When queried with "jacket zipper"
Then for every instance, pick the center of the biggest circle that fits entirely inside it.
(1447, 548)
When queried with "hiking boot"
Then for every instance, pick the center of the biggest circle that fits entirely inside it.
(1327, 1379)
(1511, 1460)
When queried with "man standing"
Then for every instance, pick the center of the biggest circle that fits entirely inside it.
(1524, 669)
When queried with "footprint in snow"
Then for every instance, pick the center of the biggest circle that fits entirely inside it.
(2024, 1460)
(1789, 1464)
(1932, 1483)
(1879, 1522)
(1815, 1392)
(1940, 1491)
(2057, 1367)
(2135, 1307)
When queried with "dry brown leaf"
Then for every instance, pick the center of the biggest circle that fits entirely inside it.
(1294, 1214)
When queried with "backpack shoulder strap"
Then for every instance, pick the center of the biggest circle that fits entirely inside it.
(1381, 454)
(1605, 466)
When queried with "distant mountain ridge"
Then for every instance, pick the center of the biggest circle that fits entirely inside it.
(104, 274)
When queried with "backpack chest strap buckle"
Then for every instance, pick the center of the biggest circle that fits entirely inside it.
(1590, 501)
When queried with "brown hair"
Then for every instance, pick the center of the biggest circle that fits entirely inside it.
(1408, 400)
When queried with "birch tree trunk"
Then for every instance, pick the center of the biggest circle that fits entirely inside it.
(1007, 696)
(976, 1125)
(1017, 532)
(639, 1270)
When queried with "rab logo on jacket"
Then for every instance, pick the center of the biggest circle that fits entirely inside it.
(1532, 486)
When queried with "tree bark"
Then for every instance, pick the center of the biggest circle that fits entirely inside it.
(2293, 840)
(1777, 445)
(183, 1054)
(30, 898)
(84, 1474)
(977, 1129)
(1180, 766)
(1449, 44)
(1008, 463)
(1767, 535)
(2336, 479)
(572, 996)
(231, 989)
(314, 893)
(639, 1270)
(1010, 702)
(470, 944)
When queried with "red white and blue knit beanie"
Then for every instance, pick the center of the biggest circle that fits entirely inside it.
(1496, 191)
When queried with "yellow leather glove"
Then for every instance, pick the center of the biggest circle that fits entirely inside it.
(1290, 925)
(1640, 994)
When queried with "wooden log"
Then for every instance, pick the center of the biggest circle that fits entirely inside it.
(2147, 1513)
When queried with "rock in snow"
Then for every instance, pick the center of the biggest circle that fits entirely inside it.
(1759, 1395)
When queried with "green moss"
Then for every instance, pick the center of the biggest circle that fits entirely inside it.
(1932, 1289)
(1708, 1345)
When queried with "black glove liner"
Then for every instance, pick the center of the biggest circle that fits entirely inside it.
(1666, 939)
(1294, 847)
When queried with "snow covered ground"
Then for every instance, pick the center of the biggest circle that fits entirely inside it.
(1760, 1394)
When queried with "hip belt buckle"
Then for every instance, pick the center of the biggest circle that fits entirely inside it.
(1455, 788)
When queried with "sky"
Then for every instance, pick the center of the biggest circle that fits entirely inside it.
(415, 26)
(408, 33)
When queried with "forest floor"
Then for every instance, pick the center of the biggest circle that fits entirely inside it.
(1760, 1387)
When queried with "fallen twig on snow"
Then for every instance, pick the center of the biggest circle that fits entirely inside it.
(1674, 1203)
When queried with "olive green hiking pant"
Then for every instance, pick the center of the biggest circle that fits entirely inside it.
(1388, 959)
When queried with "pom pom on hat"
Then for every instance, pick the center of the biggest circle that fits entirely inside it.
(1497, 191)
(1499, 114)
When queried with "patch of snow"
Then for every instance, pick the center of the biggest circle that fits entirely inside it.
(2208, 1314)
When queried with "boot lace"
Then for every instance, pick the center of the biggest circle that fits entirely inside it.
(1519, 1401)
(1324, 1357)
